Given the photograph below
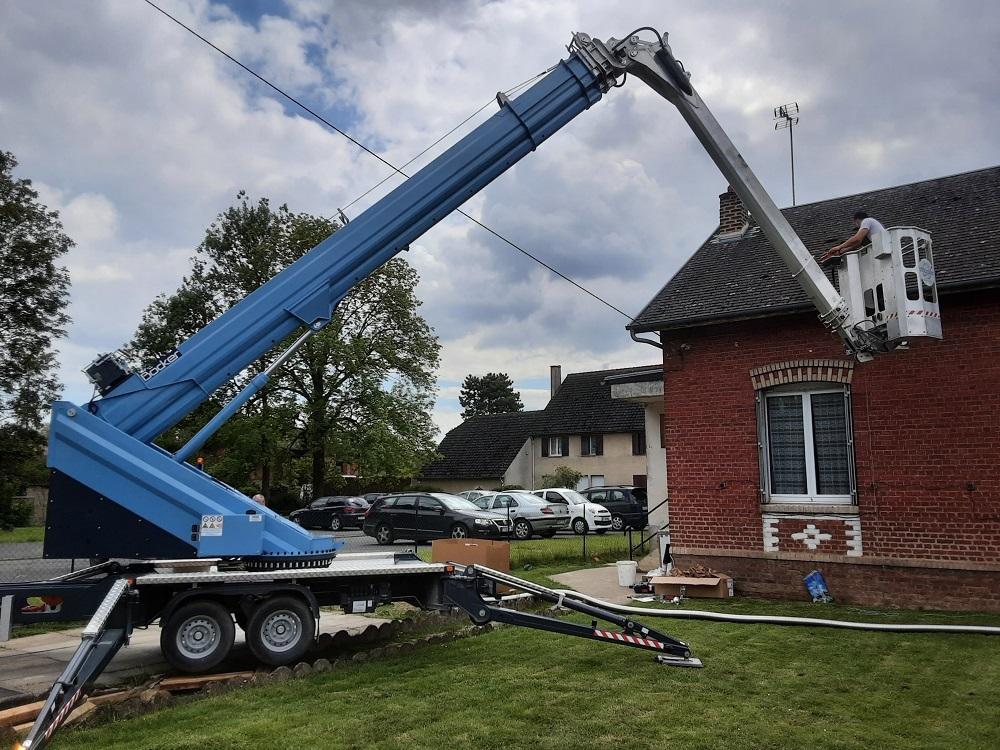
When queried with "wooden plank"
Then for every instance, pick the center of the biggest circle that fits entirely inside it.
(194, 682)
(10, 717)
(116, 697)
(80, 711)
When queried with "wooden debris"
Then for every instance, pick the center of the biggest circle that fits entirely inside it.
(196, 682)
(10, 717)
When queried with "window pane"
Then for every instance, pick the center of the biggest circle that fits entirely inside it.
(829, 415)
(786, 441)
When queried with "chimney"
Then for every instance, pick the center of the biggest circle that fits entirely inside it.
(555, 379)
(733, 216)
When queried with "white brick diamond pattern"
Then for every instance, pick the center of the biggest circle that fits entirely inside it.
(812, 537)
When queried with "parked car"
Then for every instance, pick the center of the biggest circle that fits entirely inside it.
(584, 516)
(333, 513)
(529, 513)
(423, 516)
(474, 495)
(627, 505)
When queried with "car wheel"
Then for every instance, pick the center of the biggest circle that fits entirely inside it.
(522, 529)
(617, 523)
(579, 526)
(383, 534)
(281, 630)
(335, 523)
(458, 531)
(197, 636)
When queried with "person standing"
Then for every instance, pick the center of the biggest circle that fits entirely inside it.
(867, 229)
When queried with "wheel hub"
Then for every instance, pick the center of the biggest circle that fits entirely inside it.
(198, 637)
(281, 630)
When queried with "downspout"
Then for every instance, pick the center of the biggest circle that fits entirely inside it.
(635, 338)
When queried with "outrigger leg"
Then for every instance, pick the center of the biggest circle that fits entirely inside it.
(465, 591)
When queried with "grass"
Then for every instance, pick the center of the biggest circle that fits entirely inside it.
(603, 548)
(763, 687)
(38, 628)
(21, 534)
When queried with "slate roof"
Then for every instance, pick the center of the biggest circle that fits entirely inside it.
(729, 280)
(484, 447)
(583, 404)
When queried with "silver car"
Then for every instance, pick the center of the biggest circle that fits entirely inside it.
(530, 514)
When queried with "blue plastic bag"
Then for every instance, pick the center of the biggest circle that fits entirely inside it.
(816, 586)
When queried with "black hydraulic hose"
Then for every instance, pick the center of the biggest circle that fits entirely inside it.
(813, 622)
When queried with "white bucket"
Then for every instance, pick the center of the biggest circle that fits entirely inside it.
(626, 572)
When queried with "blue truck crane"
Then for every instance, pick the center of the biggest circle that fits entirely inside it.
(203, 553)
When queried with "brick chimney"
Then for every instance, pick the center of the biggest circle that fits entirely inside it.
(555, 379)
(733, 216)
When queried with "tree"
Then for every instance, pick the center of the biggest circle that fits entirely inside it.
(492, 393)
(360, 390)
(34, 292)
(563, 476)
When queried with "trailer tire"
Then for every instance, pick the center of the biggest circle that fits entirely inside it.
(281, 630)
(197, 636)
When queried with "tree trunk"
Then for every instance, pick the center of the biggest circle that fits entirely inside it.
(318, 469)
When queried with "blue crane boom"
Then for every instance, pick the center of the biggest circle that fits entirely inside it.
(140, 501)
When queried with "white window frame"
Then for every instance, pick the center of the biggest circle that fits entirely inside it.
(805, 391)
(555, 452)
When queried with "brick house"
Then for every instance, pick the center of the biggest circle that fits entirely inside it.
(581, 427)
(784, 455)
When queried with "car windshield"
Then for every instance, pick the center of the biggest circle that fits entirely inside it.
(455, 502)
(359, 501)
(574, 497)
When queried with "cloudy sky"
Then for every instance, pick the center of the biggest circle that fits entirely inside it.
(139, 135)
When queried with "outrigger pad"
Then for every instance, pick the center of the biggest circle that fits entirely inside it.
(679, 661)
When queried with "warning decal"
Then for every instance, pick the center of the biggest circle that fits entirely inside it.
(211, 525)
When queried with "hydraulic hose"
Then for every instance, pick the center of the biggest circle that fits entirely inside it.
(812, 622)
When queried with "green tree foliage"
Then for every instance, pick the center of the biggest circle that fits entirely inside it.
(492, 393)
(34, 291)
(563, 476)
(359, 391)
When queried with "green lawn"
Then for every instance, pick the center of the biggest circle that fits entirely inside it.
(762, 687)
(604, 547)
(22, 534)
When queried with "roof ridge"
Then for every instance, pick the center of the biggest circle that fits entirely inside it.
(888, 187)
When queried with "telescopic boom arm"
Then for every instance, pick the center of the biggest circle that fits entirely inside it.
(143, 502)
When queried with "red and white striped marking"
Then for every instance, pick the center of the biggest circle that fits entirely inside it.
(625, 638)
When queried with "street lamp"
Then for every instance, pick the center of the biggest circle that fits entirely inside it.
(787, 116)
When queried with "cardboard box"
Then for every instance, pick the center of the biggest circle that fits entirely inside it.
(484, 552)
(716, 587)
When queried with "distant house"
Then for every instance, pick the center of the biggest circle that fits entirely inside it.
(582, 427)
(784, 455)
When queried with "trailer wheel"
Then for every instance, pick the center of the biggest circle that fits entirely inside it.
(281, 630)
(197, 636)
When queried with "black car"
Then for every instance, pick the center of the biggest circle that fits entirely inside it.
(423, 516)
(333, 513)
(628, 505)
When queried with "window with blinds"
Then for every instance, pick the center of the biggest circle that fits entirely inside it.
(806, 446)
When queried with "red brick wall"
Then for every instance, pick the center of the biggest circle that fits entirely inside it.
(926, 429)
(870, 585)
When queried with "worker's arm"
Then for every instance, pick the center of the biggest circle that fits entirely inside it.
(849, 244)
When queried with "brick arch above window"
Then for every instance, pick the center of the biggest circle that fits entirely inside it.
(803, 371)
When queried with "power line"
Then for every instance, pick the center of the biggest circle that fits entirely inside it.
(395, 169)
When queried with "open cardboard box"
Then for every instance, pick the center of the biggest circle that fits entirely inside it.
(719, 586)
